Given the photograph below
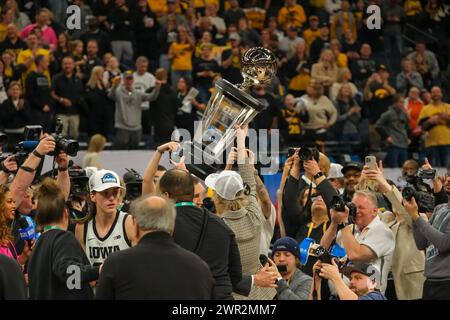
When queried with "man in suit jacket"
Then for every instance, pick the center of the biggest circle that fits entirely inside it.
(156, 267)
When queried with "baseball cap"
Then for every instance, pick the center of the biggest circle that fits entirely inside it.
(128, 74)
(227, 183)
(362, 267)
(335, 171)
(104, 179)
(313, 18)
(286, 244)
(352, 165)
(324, 25)
(381, 67)
(234, 36)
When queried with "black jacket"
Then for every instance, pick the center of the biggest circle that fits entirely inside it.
(37, 89)
(156, 268)
(50, 268)
(13, 118)
(218, 247)
(294, 217)
(12, 282)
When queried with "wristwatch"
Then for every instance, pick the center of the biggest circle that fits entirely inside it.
(318, 175)
(342, 225)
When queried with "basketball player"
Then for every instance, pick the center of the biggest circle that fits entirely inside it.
(105, 229)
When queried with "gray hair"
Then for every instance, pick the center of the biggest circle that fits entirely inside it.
(154, 212)
(368, 195)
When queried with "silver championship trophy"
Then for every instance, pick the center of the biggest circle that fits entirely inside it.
(229, 105)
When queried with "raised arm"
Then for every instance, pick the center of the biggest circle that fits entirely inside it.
(63, 178)
(148, 184)
(27, 171)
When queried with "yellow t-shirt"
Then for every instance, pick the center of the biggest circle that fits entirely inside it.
(159, 7)
(412, 7)
(310, 35)
(27, 54)
(342, 60)
(256, 16)
(182, 60)
(3, 28)
(439, 135)
(291, 17)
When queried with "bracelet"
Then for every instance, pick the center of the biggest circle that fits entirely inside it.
(27, 169)
(63, 168)
(318, 175)
(160, 152)
(37, 154)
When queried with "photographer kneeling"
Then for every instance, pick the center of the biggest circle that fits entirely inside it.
(362, 276)
(434, 237)
(367, 240)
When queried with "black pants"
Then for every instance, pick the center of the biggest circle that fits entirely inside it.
(436, 290)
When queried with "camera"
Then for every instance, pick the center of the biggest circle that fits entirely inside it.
(425, 200)
(69, 146)
(339, 205)
(79, 182)
(322, 254)
(426, 174)
(133, 184)
(20, 154)
(306, 154)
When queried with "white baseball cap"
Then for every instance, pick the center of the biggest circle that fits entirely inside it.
(227, 183)
(104, 179)
(335, 171)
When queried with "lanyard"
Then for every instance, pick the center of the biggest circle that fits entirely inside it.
(47, 228)
(184, 204)
(311, 225)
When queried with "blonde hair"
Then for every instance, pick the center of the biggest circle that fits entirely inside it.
(224, 205)
(92, 83)
(97, 143)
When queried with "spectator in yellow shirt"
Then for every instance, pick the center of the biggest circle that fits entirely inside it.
(7, 17)
(180, 54)
(312, 32)
(292, 14)
(435, 119)
(26, 57)
(343, 20)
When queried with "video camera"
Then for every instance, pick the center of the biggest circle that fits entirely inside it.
(419, 190)
(309, 248)
(305, 154)
(133, 184)
(338, 204)
(79, 182)
(69, 146)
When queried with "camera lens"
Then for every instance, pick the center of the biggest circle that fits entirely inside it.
(408, 193)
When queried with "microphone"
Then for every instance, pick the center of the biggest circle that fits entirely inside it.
(26, 230)
(29, 145)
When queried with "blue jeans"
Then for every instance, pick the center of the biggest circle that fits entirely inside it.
(395, 156)
(439, 156)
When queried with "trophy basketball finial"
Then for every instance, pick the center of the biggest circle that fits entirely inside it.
(259, 66)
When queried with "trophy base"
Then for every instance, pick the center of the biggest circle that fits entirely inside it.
(195, 160)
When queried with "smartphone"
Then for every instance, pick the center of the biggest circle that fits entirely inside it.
(282, 268)
(371, 162)
(263, 259)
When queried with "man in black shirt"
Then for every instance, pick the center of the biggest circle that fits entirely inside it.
(363, 67)
(322, 42)
(94, 33)
(202, 232)
(205, 69)
(92, 59)
(67, 90)
(268, 118)
(38, 93)
(156, 268)
(121, 19)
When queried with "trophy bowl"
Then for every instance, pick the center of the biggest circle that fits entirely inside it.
(229, 105)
